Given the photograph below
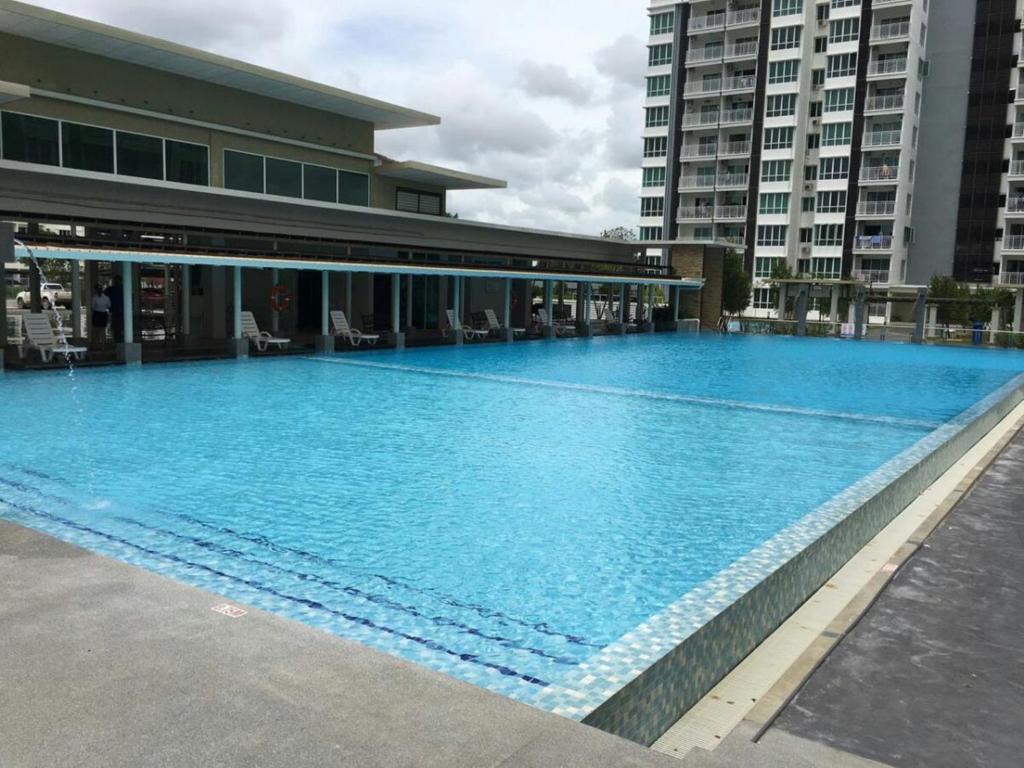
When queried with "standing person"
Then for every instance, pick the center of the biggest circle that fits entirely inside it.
(115, 293)
(100, 314)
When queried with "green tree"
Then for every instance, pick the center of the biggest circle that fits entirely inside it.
(736, 285)
(619, 233)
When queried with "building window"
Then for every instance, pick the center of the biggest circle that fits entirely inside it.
(842, 65)
(414, 201)
(834, 168)
(29, 139)
(836, 134)
(186, 163)
(765, 298)
(243, 171)
(813, 140)
(284, 178)
(656, 146)
(828, 234)
(838, 99)
(832, 202)
(659, 55)
(844, 3)
(319, 183)
(659, 86)
(815, 109)
(774, 202)
(778, 138)
(656, 117)
(654, 177)
(652, 206)
(806, 235)
(771, 235)
(820, 44)
(810, 173)
(354, 189)
(785, 37)
(650, 233)
(843, 30)
(807, 204)
(87, 148)
(776, 170)
(765, 266)
(787, 7)
(783, 71)
(662, 23)
(141, 156)
(817, 77)
(780, 105)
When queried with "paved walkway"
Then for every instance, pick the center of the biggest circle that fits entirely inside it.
(107, 665)
(933, 675)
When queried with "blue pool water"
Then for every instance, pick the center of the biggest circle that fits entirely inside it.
(499, 513)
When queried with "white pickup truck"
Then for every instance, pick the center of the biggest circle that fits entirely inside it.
(51, 295)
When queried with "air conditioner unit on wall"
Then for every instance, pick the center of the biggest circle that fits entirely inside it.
(805, 249)
(808, 187)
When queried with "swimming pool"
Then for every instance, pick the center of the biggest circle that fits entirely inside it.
(502, 513)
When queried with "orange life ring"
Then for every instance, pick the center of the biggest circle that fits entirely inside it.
(280, 298)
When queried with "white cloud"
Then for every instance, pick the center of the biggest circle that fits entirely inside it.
(542, 95)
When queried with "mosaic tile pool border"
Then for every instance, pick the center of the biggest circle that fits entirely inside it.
(640, 685)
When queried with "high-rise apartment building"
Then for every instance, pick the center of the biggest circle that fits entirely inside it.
(790, 128)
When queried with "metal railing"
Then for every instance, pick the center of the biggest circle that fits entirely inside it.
(731, 212)
(877, 208)
(880, 173)
(707, 21)
(887, 67)
(730, 116)
(735, 148)
(881, 138)
(1011, 278)
(872, 275)
(696, 182)
(739, 83)
(888, 103)
(1017, 168)
(1015, 205)
(699, 150)
(700, 118)
(733, 179)
(1018, 130)
(743, 16)
(741, 50)
(701, 213)
(703, 86)
(697, 55)
(1013, 242)
(890, 31)
(872, 242)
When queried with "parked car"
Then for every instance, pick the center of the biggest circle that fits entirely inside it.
(51, 294)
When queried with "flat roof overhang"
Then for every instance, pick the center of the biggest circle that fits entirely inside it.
(114, 43)
(13, 92)
(319, 265)
(435, 175)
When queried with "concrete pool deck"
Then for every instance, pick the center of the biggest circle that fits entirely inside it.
(105, 664)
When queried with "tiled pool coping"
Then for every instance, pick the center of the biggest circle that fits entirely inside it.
(641, 684)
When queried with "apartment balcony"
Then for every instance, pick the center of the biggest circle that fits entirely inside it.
(707, 23)
(734, 149)
(880, 104)
(872, 275)
(731, 213)
(1015, 206)
(703, 213)
(1011, 278)
(877, 208)
(887, 3)
(741, 51)
(734, 239)
(1018, 131)
(887, 68)
(1017, 168)
(1013, 243)
(704, 55)
(703, 88)
(877, 139)
(744, 17)
(872, 243)
(701, 119)
(732, 180)
(737, 116)
(698, 151)
(883, 174)
(740, 83)
(890, 32)
(687, 183)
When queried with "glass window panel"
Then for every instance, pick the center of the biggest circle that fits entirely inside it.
(353, 188)
(141, 156)
(87, 148)
(29, 139)
(243, 171)
(284, 178)
(187, 163)
(321, 184)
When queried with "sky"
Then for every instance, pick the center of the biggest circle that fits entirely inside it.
(546, 95)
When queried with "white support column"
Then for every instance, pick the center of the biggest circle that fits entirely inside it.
(325, 302)
(622, 304)
(275, 316)
(76, 299)
(129, 351)
(676, 302)
(588, 289)
(186, 300)
(6, 255)
(348, 297)
(1018, 309)
(506, 310)
(457, 303)
(833, 315)
(408, 301)
(995, 325)
(548, 329)
(396, 311)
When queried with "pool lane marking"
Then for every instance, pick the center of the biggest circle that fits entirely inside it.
(715, 402)
(309, 603)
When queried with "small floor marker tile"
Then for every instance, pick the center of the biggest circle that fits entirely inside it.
(232, 611)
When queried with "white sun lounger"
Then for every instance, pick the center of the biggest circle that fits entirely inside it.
(467, 332)
(354, 335)
(613, 319)
(40, 335)
(561, 329)
(261, 339)
(496, 327)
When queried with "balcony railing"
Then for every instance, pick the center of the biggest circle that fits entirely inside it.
(731, 212)
(892, 103)
(1011, 278)
(740, 83)
(691, 119)
(744, 16)
(880, 173)
(707, 21)
(881, 138)
(700, 214)
(887, 67)
(872, 242)
(734, 148)
(1015, 205)
(699, 150)
(697, 55)
(734, 239)
(890, 31)
(1018, 130)
(741, 50)
(1017, 168)
(697, 182)
(734, 116)
(703, 86)
(872, 275)
(733, 180)
(1013, 243)
(876, 208)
